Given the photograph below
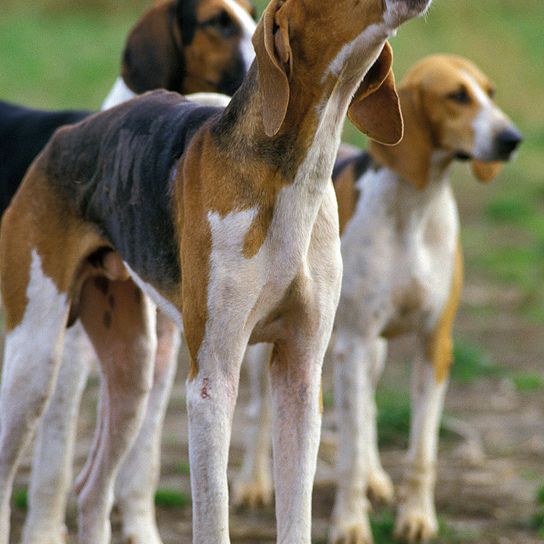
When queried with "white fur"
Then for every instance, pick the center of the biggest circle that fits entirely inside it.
(31, 356)
(247, 25)
(119, 93)
(210, 99)
(164, 305)
(53, 451)
(400, 243)
(489, 121)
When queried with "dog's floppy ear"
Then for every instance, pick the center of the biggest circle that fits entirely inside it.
(151, 59)
(486, 171)
(274, 59)
(375, 108)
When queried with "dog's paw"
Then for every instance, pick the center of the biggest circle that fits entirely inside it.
(380, 488)
(415, 523)
(143, 534)
(356, 533)
(253, 495)
(46, 535)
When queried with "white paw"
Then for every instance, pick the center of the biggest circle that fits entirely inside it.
(254, 494)
(416, 523)
(380, 487)
(354, 533)
(58, 535)
(141, 533)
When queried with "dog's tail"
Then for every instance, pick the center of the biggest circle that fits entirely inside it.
(23, 134)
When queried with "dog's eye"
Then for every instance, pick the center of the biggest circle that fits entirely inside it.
(460, 96)
(491, 92)
(222, 23)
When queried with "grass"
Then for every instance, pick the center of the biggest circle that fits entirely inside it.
(383, 525)
(20, 498)
(471, 363)
(537, 520)
(169, 498)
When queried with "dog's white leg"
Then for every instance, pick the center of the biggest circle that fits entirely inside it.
(253, 485)
(121, 323)
(53, 451)
(295, 378)
(211, 397)
(32, 355)
(139, 474)
(352, 356)
(379, 487)
(416, 519)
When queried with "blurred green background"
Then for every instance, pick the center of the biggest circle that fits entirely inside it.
(57, 54)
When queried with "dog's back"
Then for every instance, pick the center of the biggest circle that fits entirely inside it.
(23, 134)
(116, 168)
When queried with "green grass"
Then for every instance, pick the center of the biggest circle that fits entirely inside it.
(393, 417)
(471, 363)
(184, 468)
(383, 525)
(537, 520)
(528, 382)
(20, 498)
(168, 498)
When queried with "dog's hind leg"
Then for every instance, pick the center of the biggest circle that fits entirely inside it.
(53, 451)
(43, 248)
(120, 322)
(31, 358)
(139, 474)
(252, 487)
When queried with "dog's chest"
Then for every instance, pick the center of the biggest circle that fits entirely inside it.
(398, 253)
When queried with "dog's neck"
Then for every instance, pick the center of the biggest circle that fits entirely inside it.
(309, 135)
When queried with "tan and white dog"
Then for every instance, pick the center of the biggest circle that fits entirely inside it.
(402, 274)
(237, 203)
(185, 46)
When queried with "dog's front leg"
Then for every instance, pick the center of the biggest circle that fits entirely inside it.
(416, 518)
(211, 397)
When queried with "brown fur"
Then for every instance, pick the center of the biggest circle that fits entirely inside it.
(440, 344)
(431, 121)
(347, 195)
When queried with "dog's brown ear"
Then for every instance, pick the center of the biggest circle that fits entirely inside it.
(151, 58)
(375, 108)
(486, 171)
(274, 59)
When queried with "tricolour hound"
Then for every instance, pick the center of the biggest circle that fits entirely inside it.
(403, 274)
(227, 217)
(187, 47)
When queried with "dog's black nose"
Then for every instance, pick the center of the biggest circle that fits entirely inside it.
(507, 142)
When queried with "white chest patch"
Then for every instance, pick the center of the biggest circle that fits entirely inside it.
(119, 93)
